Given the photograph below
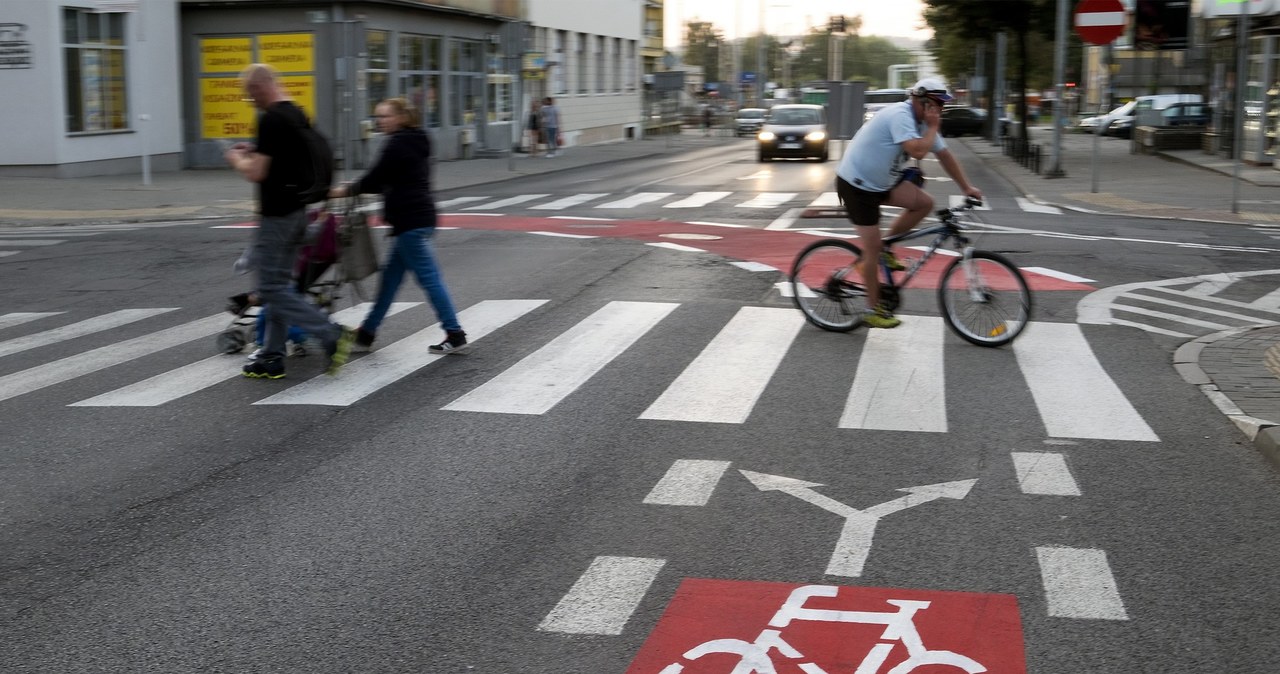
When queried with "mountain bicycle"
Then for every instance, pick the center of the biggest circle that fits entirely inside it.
(983, 296)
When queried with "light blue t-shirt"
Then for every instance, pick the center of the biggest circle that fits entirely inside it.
(874, 159)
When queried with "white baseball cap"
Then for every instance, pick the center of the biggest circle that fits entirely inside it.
(933, 88)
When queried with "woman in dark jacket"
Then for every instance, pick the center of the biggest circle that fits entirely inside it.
(402, 175)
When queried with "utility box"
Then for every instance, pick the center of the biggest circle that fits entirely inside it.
(845, 101)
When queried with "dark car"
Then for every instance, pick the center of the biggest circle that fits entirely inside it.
(748, 121)
(958, 120)
(794, 131)
(1185, 114)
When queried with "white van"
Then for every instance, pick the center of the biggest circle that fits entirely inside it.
(1120, 122)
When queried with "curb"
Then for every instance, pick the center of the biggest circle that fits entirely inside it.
(1264, 434)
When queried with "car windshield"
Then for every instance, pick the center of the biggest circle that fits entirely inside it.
(751, 114)
(795, 117)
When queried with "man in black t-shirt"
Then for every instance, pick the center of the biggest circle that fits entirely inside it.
(275, 162)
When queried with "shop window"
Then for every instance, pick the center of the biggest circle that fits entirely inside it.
(581, 63)
(501, 87)
(617, 65)
(95, 75)
(376, 72)
(600, 62)
(467, 82)
(420, 75)
(559, 81)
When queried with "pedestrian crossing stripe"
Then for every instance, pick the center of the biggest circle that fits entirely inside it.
(898, 385)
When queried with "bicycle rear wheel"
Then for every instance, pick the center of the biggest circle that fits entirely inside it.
(985, 299)
(827, 287)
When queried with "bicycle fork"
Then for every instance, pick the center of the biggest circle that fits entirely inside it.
(973, 277)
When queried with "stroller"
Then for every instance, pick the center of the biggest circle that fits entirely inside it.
(334, 263)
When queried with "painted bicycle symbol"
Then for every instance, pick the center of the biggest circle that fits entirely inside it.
(754, 656)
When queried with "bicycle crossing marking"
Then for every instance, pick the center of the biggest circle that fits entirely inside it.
(1078, 583)
(88, 362)
(1044, 473)
(604, 596)
(724, 382)
(1074, 395)
(768, 200)
(503, 203)
(385, 366)
(545, 377)
(20, 317)
(184, 381)
(1204, 310)
(638, 199)
(570, 201)
(88, 326)
(448, 203)
(900, 385)
(1108, 305)
(688, 482)
(698, 200)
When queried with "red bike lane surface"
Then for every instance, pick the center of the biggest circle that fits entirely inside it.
(774, 248)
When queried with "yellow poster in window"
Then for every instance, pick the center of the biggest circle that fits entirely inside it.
(288, 52)
(302, 89)
(225, 54)
(223, 112)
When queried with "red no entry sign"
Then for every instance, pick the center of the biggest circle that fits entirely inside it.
(1099, 21)
(714, 626)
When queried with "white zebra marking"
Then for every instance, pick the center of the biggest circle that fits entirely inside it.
(900, 385)
(604, 597)
(1078, 584)
(1044, 473)
(688, 482)
(88, 326)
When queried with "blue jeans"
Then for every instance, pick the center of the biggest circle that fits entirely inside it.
(275, 251)
(412, 251)
(553, 136)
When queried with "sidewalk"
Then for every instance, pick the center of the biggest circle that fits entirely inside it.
(1239, 370)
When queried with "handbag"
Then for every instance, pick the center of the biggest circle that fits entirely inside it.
(359, 256)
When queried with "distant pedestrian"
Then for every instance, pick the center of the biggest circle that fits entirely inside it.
(275, 161)
(402, 174)
(551, 125)
(535, 120)
(706, 121)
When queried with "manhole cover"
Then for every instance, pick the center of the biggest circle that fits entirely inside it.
(690, 237)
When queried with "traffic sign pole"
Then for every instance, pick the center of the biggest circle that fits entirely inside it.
(1099, 22)
(1059, 74)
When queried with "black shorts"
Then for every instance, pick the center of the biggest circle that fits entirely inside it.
(862, 207)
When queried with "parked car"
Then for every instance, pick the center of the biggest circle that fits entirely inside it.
(958, 120)
(794, 131)
(748, 121)
(1122, 115)
(1185, 114)
(877, 99)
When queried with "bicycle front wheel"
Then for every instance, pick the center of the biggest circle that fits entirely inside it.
(985, 299)
(827, 287)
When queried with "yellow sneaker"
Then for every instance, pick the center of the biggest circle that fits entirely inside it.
(891, 261)
(881, 317)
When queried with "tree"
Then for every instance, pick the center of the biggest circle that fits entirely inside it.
(703, 42)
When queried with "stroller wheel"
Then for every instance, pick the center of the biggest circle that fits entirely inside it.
(231, 341)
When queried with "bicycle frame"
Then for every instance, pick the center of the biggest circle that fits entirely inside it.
(946, 230)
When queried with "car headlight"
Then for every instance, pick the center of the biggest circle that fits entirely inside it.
(815, 136)
(765, 136)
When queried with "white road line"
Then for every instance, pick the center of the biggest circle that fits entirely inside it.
(826, 200)
(1078, 584)
(752, 266)
(1256, 305)
(698, 200)
(1177, 318)
(637, 199)
(1212, 284)
(768, 200)
(1199, 309)
(941, 251)
(580, 218)
(785, 220)
(724, 382)
(88, 362)
(567, 202)
(957, 200)
(4, 236)
(566, 236)
(174, 384)
(459, 200)
(501, 203)
(1149, 328)
(688, 482)
(1044, 271)
(718, 224)
(33, 242)
(604, 597)
(676, 246)
(88, 326)
(900, 385)
(18, 318)
(545, 377)
(1074, 395)
(393, 362)
(1270, 301)
(7, 253)
(1044, 473)
(1032, 207)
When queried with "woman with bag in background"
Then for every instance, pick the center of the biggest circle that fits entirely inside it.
(402, 175)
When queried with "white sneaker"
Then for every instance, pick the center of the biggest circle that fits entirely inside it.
(254, 356)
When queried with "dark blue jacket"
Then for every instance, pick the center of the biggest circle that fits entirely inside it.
(403, 176)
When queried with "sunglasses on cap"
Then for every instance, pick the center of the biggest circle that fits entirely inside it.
(939, 95)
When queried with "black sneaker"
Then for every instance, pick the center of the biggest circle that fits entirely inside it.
(264, 368)
(364, 338)
(454, 342)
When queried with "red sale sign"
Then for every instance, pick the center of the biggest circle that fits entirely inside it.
(739, 627)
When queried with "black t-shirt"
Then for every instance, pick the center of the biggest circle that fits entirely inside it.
(280, 139)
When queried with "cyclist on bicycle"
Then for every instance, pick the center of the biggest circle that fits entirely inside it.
(873, 173)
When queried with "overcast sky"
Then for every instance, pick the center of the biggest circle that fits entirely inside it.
(899, 18)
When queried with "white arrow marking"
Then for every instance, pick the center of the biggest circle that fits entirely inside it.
(854, 544)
